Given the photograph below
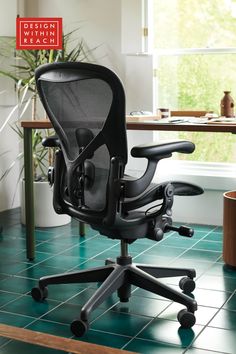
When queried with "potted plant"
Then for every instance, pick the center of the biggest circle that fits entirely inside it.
(23, 75)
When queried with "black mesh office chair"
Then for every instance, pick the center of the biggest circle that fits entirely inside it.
(86, 105)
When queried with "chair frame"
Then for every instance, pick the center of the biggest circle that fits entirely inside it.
(123, 195)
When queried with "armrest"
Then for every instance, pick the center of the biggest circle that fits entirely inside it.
(159, 151)
(154, 153)
(51, 141)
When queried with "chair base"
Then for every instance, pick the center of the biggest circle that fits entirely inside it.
(119, 276)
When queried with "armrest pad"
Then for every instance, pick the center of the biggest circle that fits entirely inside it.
(161, 150)
(51, 141)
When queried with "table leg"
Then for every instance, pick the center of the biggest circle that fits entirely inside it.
(81, 228)
(29, 194)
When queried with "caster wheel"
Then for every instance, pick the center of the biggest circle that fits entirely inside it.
(109, 261)
(187, 285)
(186, 318)
(39, 294)
(79, 327)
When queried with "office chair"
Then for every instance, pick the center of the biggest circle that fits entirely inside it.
(86, 105)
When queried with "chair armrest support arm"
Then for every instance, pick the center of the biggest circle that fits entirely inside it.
(51, 141)
(154, 152)
(158, 151)
(134, 187)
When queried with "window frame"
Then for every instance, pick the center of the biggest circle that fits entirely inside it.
(212, 170)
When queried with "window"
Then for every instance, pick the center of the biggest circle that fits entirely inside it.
(195, 60)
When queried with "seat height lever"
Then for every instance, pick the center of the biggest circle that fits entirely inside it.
(182, 230)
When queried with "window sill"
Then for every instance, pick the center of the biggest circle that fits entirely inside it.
(211, 176)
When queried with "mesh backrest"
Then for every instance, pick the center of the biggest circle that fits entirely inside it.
(81, 102)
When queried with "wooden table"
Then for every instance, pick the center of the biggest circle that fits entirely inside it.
(132, 124)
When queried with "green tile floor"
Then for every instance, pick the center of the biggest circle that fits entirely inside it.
(147, 324)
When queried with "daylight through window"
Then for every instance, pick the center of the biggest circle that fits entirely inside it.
(195, 61)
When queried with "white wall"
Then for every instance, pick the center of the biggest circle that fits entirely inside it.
(99, 22)
(9, 142)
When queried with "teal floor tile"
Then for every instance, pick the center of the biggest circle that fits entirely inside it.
(217, 283)
(199, 234)
(105, 338)
(211, 298)
(27, 306)
(67, 262)
(9, 252)
(66, 313)
(231, 303)
(201, 255)
(44, 235)
(63, 292)
(16, 230)
(181, 242)
(203, 314)
(17, 285)
(6, 297)
(4, 276)
(100, 242)
(150, 347)
(200, 266)
(120, 323)
(147, 323)
(164, 251)
(86, 294)
(50, 247)
(40, 270)
(208, 245)
(152, 259)
(39, 257)
(224, 319)
(214, 236)
(139, 246)
(221, 340)
(57, 329)
(148, 294)
(84, 252)
(166, 331)
(91, 263)
(200, 351)
(14, 267)
(222, 270)
(150, 307)
(13, 319)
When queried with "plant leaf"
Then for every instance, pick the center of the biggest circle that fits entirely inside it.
(8, 118)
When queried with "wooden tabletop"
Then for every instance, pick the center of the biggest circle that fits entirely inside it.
(152, 124)
(56, 342)
(36, 124)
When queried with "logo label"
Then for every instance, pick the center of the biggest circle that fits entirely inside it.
(38, 33)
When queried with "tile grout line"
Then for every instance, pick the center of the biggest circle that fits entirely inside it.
(206, 325)
(94, 257)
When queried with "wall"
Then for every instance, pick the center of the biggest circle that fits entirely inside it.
(9, 142)
(99, 22)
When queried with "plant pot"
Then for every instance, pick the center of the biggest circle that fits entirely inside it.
(229, 226)
(45, 215)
